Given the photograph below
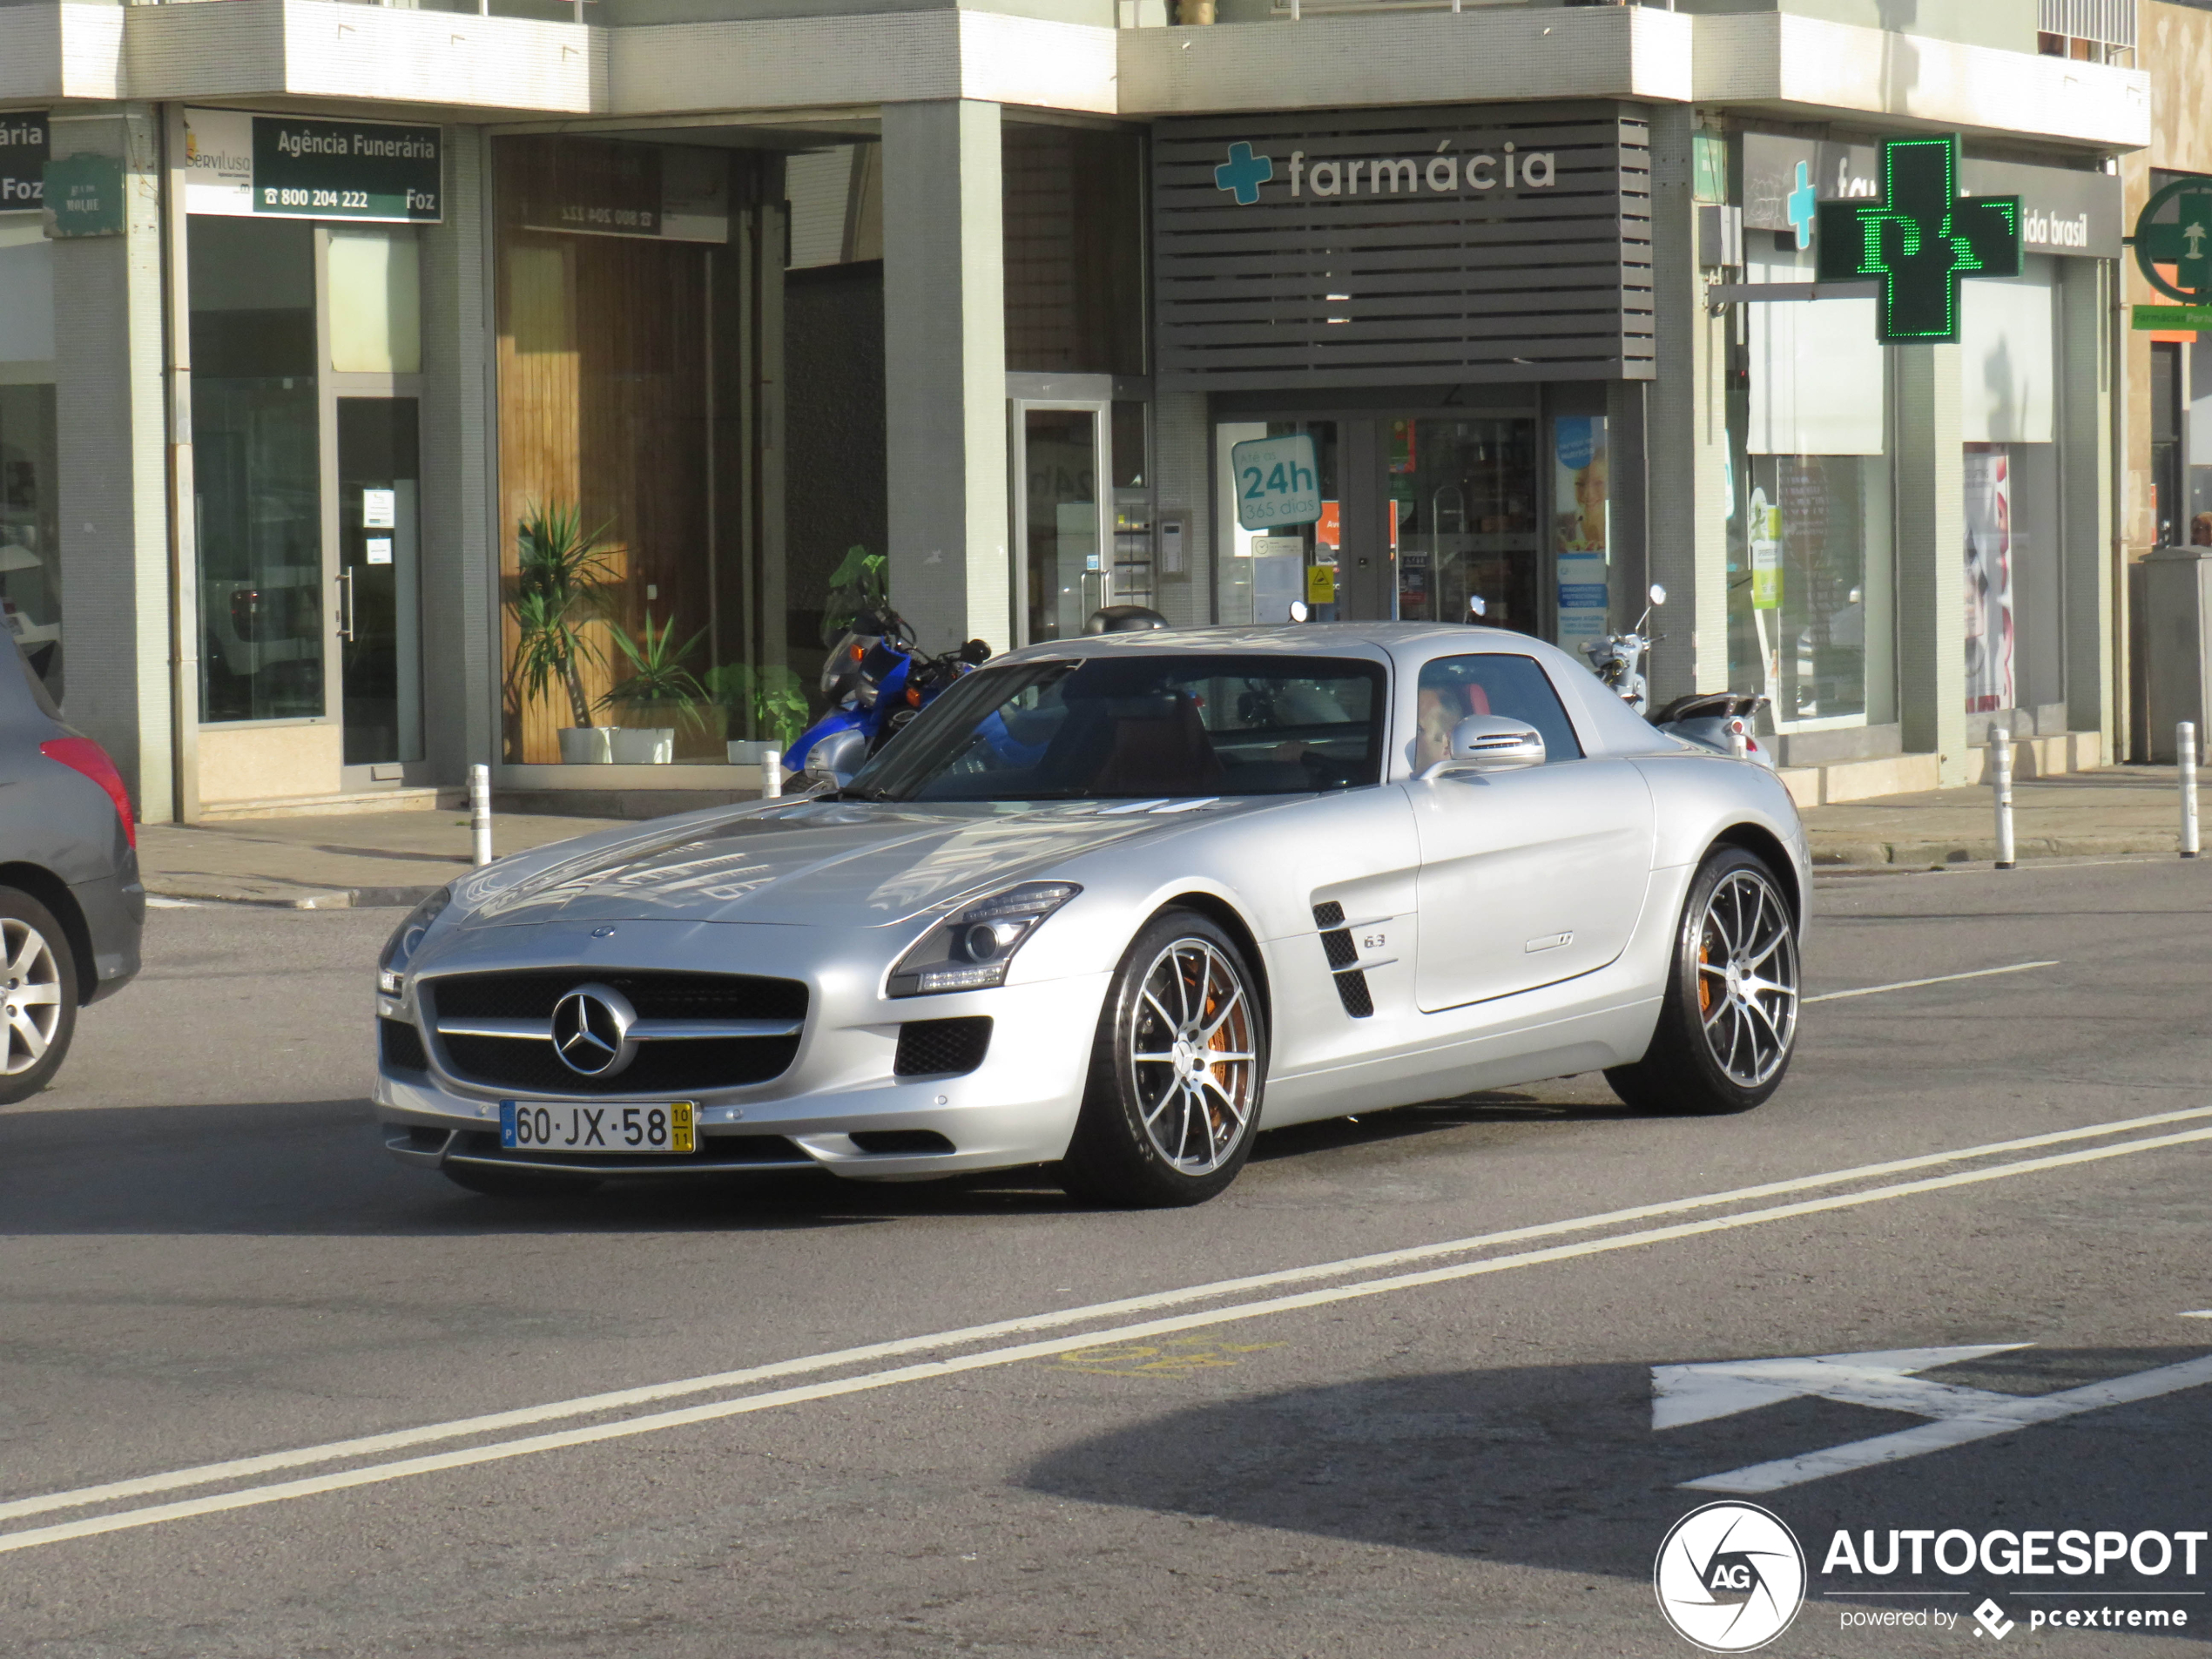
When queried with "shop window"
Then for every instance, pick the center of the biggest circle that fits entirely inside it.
(691, 383)
(2166, 443)
(2008, 394)
(256, 468)
(1075, 249)
(1262, 572)
(1463, 516)
(1809, 518)
(375, 289)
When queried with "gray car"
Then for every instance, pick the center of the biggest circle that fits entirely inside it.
(1113, 905)
(71, 905)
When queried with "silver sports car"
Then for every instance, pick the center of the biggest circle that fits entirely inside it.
(1113, 905)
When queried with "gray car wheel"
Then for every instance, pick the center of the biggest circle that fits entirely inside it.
(1178, 1070)
(1728, 1025)
(37, 996)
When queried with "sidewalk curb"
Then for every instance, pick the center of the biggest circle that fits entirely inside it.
(1980, 850)
(304, 899)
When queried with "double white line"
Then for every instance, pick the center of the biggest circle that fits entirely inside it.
(1079, 1327)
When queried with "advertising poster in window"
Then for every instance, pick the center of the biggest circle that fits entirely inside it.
(1580, 524)
(1989, 580)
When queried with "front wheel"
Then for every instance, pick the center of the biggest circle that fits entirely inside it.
(1177, 1069)
(1729, 1024)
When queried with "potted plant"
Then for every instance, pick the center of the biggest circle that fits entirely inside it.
(767, 698)
(659, 687)
(560, 585)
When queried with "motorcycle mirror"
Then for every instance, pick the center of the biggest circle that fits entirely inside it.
(1299, 612)
(1477, 605)
(976, 653)
(1658, 594)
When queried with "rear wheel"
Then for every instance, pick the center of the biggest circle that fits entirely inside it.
(37, 996)
(1728, 1025)
(1177, 1069)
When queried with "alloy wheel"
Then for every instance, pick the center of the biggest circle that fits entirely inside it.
(30, 996)
(1191, 1053)
(1747, 979)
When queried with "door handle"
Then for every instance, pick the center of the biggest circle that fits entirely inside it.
(346, 604)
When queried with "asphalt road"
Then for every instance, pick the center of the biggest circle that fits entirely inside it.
(205, 1259)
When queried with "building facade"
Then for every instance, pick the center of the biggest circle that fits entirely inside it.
(384, 390)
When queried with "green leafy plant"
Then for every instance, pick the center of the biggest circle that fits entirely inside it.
(859, 584)
(561, 584)
(768, 696)
(658, 673)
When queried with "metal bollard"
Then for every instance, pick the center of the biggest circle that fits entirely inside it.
(2001, 774)
(2185, 752)
(772, 774)
(480, 813)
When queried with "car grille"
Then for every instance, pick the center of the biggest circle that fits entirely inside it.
(941, 1046)
(668, 1066)
(402, 1046)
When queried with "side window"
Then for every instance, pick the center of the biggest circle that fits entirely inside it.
(1451, 688)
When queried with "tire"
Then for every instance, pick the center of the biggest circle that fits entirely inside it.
(37, 996)
(517, 1183)
(1160, 1126)
(1728, 1025)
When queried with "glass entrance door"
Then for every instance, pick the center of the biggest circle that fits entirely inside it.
(1061, 567)
(1463, 517)
(380, 609)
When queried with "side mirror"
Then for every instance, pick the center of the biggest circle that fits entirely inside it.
(1491, 743)
(834, 759)
(1477, 606)
(1658, 594)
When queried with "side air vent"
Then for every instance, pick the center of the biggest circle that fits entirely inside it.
(1343, 954)
(403, 1046)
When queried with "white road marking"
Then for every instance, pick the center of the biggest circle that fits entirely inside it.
(1883, 1380)
(155, 901)
(616, 1400)
(1962, 1416)
(2200, 1314)
(1940, 978)
(248, 1497)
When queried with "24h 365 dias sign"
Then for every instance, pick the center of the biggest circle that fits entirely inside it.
(1921, 240)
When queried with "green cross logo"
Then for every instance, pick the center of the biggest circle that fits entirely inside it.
(2183, 241)
(1921, 239)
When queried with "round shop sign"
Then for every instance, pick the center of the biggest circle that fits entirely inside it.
(1729, 1577)
(2180, 242)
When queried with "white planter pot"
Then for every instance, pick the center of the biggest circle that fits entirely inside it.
(644, 746)
(587, 745)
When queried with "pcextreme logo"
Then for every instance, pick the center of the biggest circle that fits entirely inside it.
(1729, 1577)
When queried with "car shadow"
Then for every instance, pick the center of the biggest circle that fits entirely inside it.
(1559, 1467)
(310, 1167)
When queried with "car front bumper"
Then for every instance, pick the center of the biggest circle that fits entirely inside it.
(1017, 1107)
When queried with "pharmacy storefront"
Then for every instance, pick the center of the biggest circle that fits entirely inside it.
(1449, 311)
(30, 594)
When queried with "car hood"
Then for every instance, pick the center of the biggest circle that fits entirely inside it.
(823, 864)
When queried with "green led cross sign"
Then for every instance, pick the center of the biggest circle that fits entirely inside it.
(1921, 239)
(2183, 244)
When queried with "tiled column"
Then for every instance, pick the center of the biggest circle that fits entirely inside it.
(113, 442)
(1931, 559)
(945, 405)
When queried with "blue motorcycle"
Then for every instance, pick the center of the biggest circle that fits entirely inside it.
(877, 681)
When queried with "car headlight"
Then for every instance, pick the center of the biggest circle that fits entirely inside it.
(969, 950)
(406, 940)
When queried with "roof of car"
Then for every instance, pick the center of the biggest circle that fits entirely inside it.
(1303, 639)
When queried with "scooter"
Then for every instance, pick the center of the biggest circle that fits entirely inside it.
(1714, 720)
(877, 681)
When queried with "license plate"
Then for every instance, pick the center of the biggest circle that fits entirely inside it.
(667, 1127)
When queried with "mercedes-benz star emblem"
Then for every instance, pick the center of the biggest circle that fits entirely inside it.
(591, 1030)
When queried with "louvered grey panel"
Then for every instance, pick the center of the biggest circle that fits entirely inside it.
(1438, 284)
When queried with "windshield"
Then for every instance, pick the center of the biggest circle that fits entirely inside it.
(1131, 727)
